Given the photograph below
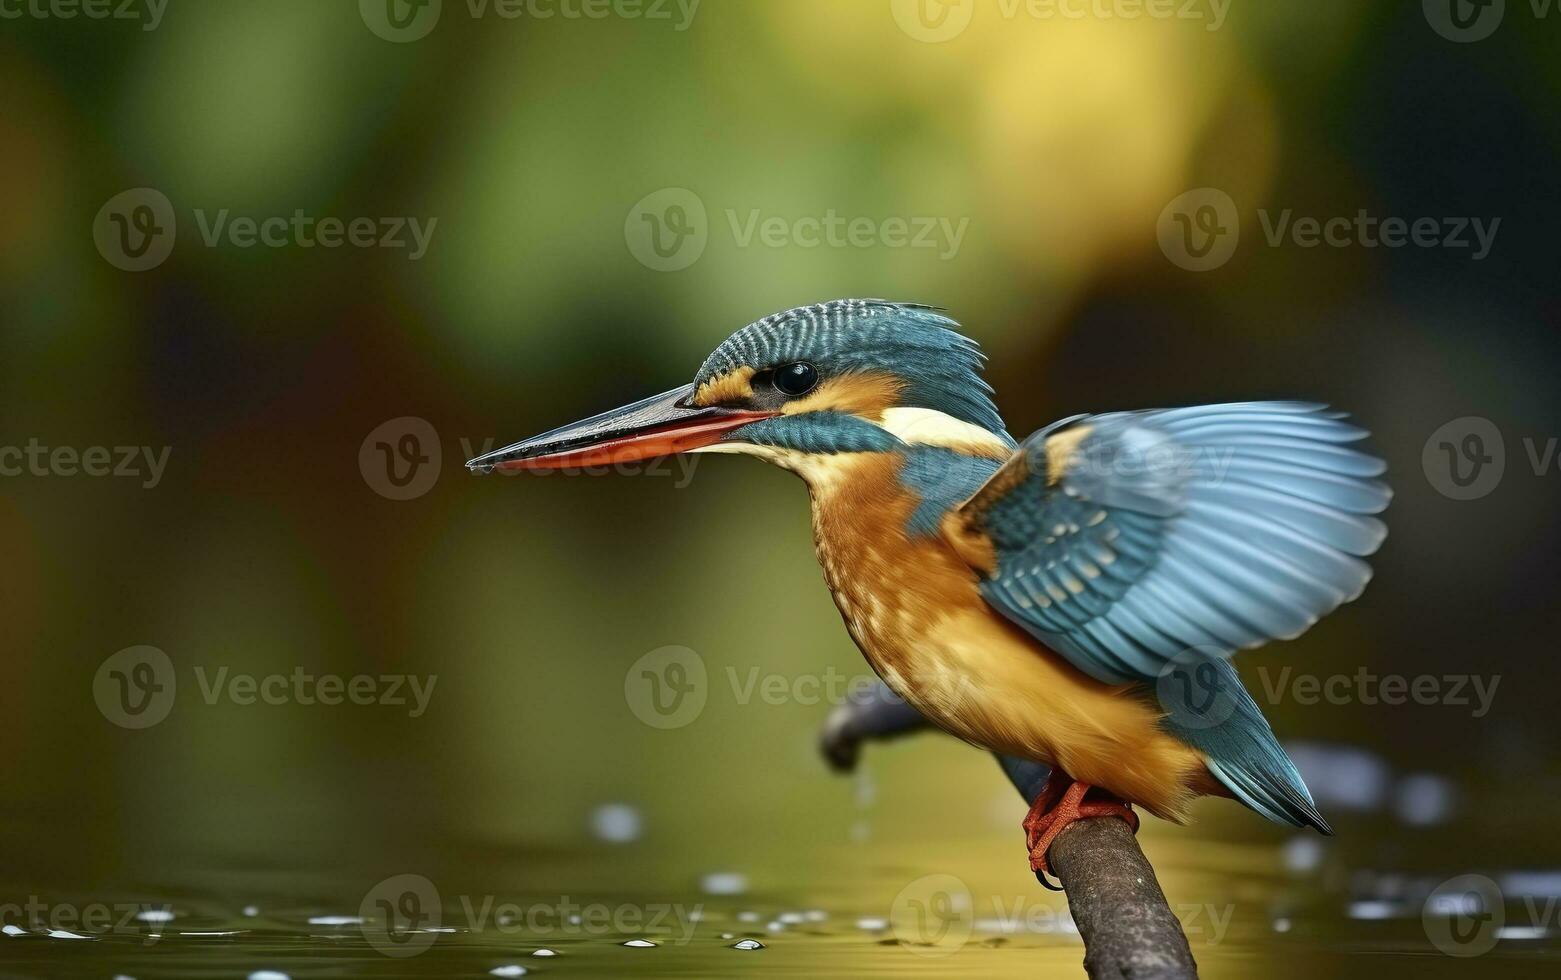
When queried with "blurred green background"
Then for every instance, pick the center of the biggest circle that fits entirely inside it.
(530, 145)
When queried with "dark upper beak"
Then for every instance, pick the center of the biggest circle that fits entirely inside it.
(661, 425)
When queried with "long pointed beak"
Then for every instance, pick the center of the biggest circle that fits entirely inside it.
(661, 425)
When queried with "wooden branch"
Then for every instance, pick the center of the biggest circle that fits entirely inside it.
(1129, 930)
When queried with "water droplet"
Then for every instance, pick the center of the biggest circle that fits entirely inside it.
(155, 915)
(1522, 932)
(251, 911)
(11, 930)
(616, 823)
(65, 934)
(1302, 853)
(544, 951)
(510, 970)
(864, 789)
(269, 975)
(724, 883)
(1535, 884)
(336, 920)
(748, 944)
(815, 915)
(791, 918)
(728, 935)
(872, 924)
(776, 926)
(1423, 799)
(747, 917)
(1341, 776)
(1375, 910)
(1281, 924)
(639, 943)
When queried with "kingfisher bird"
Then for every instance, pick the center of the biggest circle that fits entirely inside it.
(1074, 599)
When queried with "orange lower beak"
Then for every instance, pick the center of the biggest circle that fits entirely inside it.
(662, 425)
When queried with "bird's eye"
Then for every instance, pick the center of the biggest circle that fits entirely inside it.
(795, 379)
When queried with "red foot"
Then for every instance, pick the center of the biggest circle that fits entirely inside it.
(1049, 815)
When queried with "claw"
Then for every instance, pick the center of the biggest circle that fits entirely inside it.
(1047, 819)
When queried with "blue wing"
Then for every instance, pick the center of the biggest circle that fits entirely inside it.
(1124, 540)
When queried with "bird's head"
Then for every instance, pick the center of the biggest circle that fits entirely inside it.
(799, 389)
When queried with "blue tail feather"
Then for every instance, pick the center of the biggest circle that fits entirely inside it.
(1247, 759)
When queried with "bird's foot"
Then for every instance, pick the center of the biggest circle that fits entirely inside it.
(1049, 815)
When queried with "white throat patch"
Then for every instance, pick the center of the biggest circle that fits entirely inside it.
(930, 427)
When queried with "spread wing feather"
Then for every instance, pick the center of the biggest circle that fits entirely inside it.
(1123, 540)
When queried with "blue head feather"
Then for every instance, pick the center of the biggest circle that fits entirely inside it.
(941, 368)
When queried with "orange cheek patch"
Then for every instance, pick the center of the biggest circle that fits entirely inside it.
(865, 395)
(733, 386)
